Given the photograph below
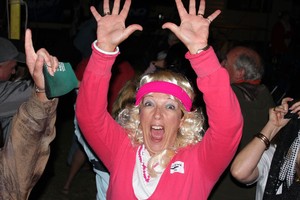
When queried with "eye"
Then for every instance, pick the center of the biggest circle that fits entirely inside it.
(171, 106)
(147, 103)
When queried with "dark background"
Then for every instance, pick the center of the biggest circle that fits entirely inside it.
(54, 25)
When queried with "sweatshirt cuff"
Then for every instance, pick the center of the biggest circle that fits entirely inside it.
(101, 61)
(105, 52)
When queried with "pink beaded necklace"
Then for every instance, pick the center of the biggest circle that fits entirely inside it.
(144, 167)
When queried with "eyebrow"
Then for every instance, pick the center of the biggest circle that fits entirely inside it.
(170, 97)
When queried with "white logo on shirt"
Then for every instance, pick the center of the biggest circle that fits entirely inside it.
(178, 167)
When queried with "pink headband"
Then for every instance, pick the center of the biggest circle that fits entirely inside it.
(167, 88)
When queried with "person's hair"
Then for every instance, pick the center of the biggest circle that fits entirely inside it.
(251, 62)
(125, 98)
(189, 133)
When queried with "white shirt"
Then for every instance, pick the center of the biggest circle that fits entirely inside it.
(143, 189)
(263, 170)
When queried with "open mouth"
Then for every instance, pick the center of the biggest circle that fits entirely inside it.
(157, 133)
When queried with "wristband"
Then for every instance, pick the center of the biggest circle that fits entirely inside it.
(203, 49)
(264, 139)
(39, 90)
(105, 52)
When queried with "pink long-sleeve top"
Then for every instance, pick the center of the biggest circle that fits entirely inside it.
(202, 164)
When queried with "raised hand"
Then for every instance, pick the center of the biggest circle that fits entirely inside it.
(111, 30)
(35, 61)
(193, 30)
(277, 113)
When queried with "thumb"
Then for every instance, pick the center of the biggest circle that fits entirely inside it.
(132, 28)
(171, 26)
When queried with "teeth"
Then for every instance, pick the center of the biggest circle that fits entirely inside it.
(157, 127)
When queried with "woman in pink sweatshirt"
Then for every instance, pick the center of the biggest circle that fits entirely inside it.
(156, 151)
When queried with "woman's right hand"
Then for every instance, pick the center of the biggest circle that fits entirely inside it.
(276, 114)
(111, 30)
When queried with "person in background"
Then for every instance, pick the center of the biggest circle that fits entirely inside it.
(126, 97)
(77, 157)
(245, 68)
(122, 72)
(158, 151)
(274, 166)
(12, 92)
(26, 151)
(101, 173)
(160, 54)
(77, 160)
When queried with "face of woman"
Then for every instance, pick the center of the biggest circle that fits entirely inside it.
(160, 117)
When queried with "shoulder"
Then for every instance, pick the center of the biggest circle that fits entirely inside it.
(250, 92)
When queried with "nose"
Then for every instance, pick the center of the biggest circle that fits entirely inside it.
(157, 114)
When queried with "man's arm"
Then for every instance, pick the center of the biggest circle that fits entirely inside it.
(26, 152)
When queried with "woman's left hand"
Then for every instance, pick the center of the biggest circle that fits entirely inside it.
(277, 114)
(194, 27)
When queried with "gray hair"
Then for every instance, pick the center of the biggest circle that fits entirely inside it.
(253, 67)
